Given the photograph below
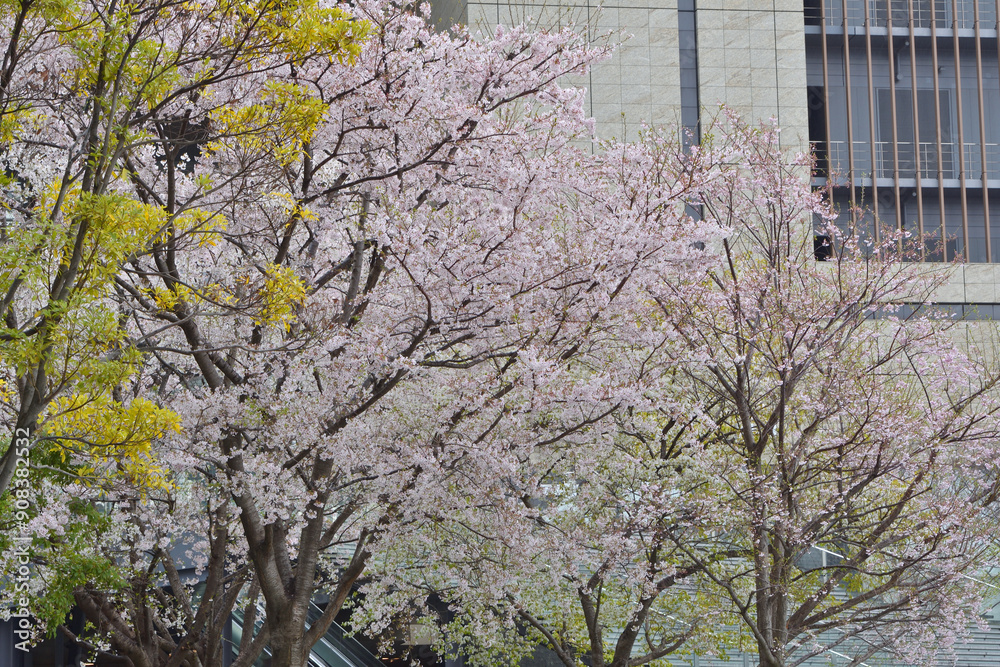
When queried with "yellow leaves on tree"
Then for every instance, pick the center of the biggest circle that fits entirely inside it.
(299, 28)
(278, 125)
(104, 438)
(305, 28)
(119, 225)
(282, 293)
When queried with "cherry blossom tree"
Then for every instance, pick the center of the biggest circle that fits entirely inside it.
(572, 549)
(805, 466)
(368, 257)
(843, 434)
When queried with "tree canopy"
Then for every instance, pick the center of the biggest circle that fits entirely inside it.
(328, 300)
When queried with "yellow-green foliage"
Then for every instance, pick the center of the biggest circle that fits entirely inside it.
(278, 125)
(304, 28)
(203, 226)
(63, 259)
(119, 225)
(287, 115)
(102, 430)
(299, 28)
(282, 293)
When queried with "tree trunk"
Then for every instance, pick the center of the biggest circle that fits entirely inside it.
(287, 646)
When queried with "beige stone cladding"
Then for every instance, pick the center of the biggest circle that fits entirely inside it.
(751, 56)
(640, 83)
(972, 283)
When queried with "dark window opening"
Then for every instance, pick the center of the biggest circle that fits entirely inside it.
(822, 247)
(814, 12)
(817, 130)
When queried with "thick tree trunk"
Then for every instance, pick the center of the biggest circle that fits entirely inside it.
(288, 645)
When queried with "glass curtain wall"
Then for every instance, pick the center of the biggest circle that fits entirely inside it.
(904, 103)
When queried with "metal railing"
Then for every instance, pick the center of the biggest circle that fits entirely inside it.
(974, 160)
(886, 156)
(879, 13)
(924, 11)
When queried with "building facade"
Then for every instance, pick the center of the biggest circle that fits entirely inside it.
(904, 111)
(899, 99)
(680, 58)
